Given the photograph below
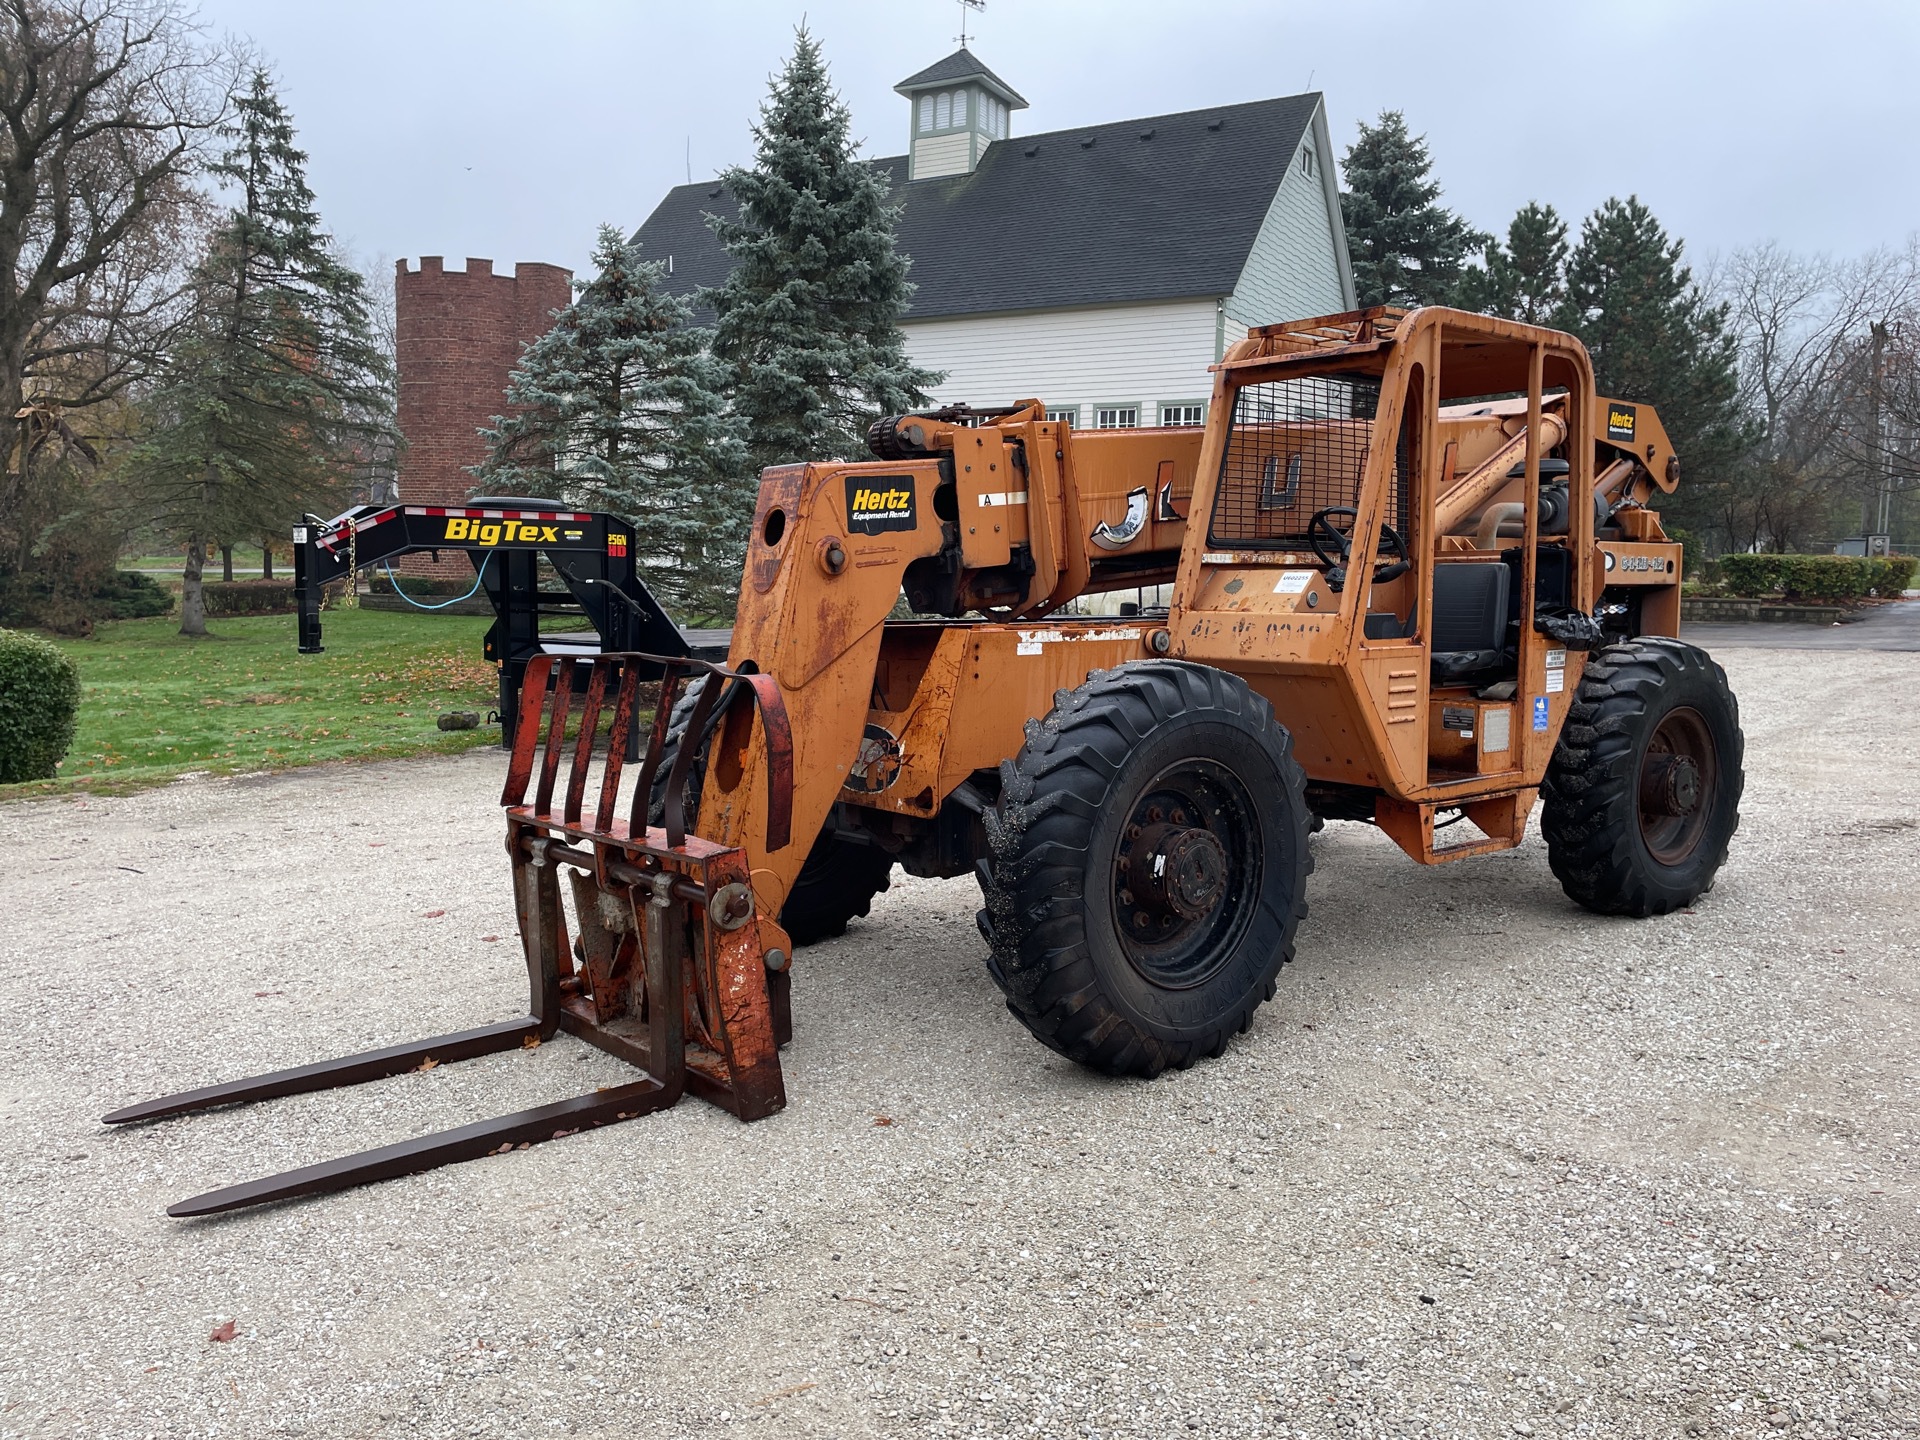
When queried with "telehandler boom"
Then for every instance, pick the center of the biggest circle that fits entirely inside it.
(1416, 581)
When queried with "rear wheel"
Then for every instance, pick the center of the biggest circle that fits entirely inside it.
(838, 881)
(1147, 867)
(1643, 795)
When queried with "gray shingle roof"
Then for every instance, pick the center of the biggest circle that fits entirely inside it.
(1164, 208)
(963, 64)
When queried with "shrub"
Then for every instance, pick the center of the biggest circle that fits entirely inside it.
(1816, 577)
(129, 595)
(1890, 574)
(250, 597)
(1751, 574)
(39, 697)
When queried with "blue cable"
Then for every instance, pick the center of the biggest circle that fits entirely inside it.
(479, 576)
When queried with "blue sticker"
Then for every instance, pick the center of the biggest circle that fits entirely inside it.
(1539, 712)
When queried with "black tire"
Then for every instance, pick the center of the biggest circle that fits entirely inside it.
(840, 877)
(837, 884)
(1174, 778)
(1643, 793)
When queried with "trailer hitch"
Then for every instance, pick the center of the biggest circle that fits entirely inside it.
(665, 964)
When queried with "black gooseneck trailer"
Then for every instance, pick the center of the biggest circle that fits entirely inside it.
(504, 537)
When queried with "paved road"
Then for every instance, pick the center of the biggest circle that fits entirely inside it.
(1887, 627)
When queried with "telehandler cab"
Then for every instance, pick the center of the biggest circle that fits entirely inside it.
(1415, 581)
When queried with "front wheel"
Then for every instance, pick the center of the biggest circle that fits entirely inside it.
(1147, 867)
(1642, 797)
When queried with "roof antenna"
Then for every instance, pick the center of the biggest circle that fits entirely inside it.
(965, 6)
(689, 159)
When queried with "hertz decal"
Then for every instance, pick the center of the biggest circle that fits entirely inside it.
(501, 532)
(1621, 420)
(880, 502)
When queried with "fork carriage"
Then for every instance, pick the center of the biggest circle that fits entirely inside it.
(664, 962)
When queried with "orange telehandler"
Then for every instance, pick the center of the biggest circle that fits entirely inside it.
(1415, 581)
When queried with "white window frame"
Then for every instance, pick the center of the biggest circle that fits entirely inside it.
(1309, 162)
(1064, 414)
(1117, 410)
(943, 111)
(1180, 407)
(926, 112)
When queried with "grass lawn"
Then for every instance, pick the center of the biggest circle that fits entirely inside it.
(155, 705)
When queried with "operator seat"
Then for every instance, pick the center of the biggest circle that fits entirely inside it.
(1469, 621)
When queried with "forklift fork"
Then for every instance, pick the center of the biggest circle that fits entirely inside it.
(669, 974)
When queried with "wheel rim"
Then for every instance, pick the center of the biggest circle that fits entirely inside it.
(1185, 874)
(1678, 783)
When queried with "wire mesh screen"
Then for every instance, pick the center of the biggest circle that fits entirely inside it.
(1296, 446)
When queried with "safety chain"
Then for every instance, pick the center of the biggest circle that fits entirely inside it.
(351, 600)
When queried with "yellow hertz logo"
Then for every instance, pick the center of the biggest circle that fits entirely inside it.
(1618, 419)
(510, 532)
(880, 502)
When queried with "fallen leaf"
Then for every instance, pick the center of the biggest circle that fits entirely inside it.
(532, 1042)
(489, 938)
(223, 1332)
(783, 1394)
(428, 1064)
(883, 1120)
(433, 915)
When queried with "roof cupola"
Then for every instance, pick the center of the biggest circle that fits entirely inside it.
(955, 108)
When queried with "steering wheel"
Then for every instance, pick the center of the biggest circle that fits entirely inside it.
(1322, 533)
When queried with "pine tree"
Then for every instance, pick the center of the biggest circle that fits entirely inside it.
(620, 407)
(1655, 337)
(809, 319)
(1406, 249)
(1526, 278)
(277, 387)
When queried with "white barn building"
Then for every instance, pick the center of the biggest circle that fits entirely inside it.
(1101, 268)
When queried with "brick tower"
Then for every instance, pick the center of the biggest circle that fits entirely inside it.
(460, 335)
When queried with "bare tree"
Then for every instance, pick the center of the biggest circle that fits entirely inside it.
(1820, 382)
(106, 107)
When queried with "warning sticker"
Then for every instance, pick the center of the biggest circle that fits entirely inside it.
(1556, 681)
(1495, 738)
(1556, 659)
(1539, 712)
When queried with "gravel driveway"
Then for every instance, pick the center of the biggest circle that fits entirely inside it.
(1487, 1166)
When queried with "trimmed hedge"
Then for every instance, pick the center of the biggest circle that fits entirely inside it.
(39, 698)
(249, 597)
(421, 587)
(1816, 577)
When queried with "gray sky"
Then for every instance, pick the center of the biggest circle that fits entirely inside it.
(511, 130)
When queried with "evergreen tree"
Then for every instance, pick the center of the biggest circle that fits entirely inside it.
(277, 387)
(1654, 336)
(1526, 278)
(620, 407)
(809, 319)
(1406, 248)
